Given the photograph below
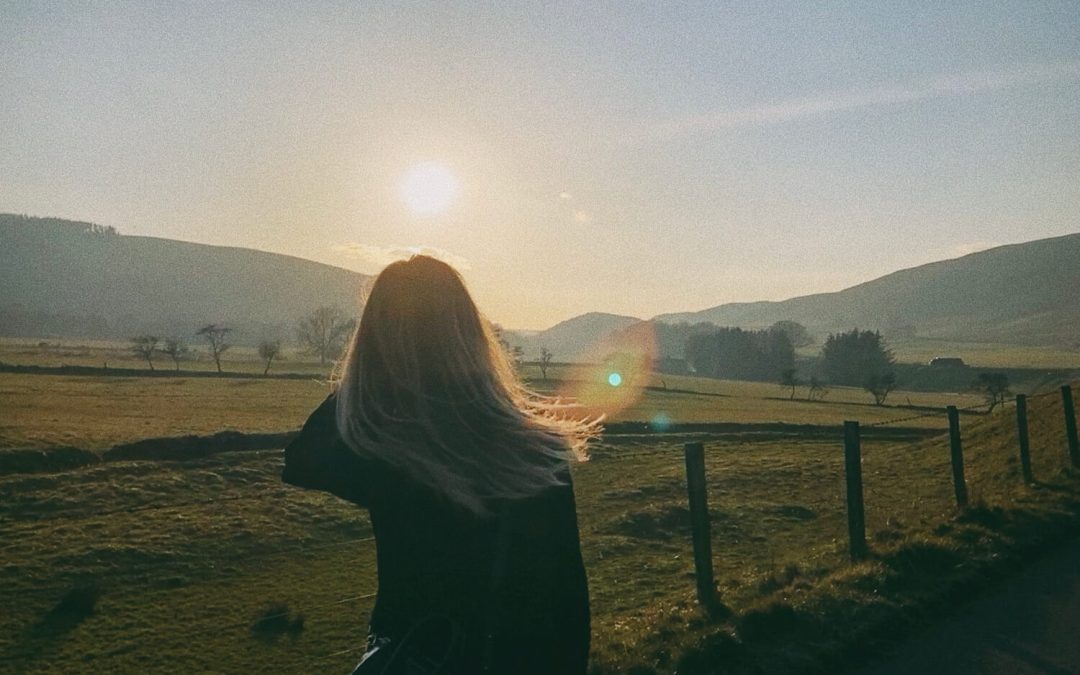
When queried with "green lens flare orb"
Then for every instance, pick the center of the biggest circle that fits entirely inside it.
(614, 379)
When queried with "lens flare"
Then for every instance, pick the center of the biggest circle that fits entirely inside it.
(620, 368)
(661, 422)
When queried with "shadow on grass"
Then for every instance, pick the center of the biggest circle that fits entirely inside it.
(76, 606)
(277, 621)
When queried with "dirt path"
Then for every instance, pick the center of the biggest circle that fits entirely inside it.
(1030, 627)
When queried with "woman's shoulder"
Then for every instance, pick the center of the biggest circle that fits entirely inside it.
(318, 458)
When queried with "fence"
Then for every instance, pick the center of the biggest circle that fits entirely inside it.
(858, 549)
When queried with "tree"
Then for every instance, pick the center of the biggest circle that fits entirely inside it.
(515, 353)
(268, 351)
(790, 378)
(500, 337)
(733, 353)
(795, 331)
(817, 389)
(176, 349)
(324, 332)
(215, 335)
(994, 386)
(145, 346)
(545, 361)
(852, 358)
(879, 385)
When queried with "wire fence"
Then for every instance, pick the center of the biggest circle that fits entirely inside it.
(891, 487)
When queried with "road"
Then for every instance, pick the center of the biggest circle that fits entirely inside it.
(1031, 626)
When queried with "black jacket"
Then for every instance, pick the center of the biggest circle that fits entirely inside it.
(437, 559)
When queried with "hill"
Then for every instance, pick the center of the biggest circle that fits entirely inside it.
(1017, 294)
(581, 338)
(67, 278)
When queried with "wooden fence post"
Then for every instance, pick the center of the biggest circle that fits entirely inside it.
(957, 451)
(699, 523)
(1022, 435)
(853, 475)
(1070, 425)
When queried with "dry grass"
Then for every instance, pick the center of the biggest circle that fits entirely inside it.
(234, 541)
(95, 412)
(187, 555)
(98, 412)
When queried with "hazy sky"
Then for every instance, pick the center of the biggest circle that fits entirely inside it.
(627, 157)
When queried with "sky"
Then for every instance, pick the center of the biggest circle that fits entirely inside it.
(628, 157)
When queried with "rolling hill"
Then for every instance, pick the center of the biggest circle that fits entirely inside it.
(1025, 293)
(581, 338)
(66, 278)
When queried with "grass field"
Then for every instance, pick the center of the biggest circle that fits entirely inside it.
(186, 555)
(108, 354)
(97, 412)
(82, 352)
(987, 354)
(199, 573)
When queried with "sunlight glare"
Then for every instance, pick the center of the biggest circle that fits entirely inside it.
(429, 189)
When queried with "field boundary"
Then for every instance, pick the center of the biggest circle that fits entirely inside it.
(193, 447)
(97, 371)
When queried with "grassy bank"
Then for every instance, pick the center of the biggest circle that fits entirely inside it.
(814, 614)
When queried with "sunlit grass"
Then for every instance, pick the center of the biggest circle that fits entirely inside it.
(95, 412)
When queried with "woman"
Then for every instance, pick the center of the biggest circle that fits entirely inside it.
(467, 480)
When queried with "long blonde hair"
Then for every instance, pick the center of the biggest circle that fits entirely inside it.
(426, 388)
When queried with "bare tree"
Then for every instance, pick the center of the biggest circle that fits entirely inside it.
(268, 351)
(817, 389)
(500, 337)
(324, 332)
(994, 386)
(790, 378)
(176, 349)
(215, 335)
(515, 353)
(880, 386)
(545, 361)
(145, 346)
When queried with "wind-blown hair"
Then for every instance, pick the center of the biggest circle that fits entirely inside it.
(426, 388)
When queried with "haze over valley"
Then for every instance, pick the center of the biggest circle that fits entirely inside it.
(75, 279)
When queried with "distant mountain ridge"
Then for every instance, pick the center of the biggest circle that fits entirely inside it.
(79, 279)
(1026, 293)
(70, 278)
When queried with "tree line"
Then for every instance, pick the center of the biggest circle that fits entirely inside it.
(322, 333)
(858, 358)
(854, 358)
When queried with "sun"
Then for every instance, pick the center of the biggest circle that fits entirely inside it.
(429, 189)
